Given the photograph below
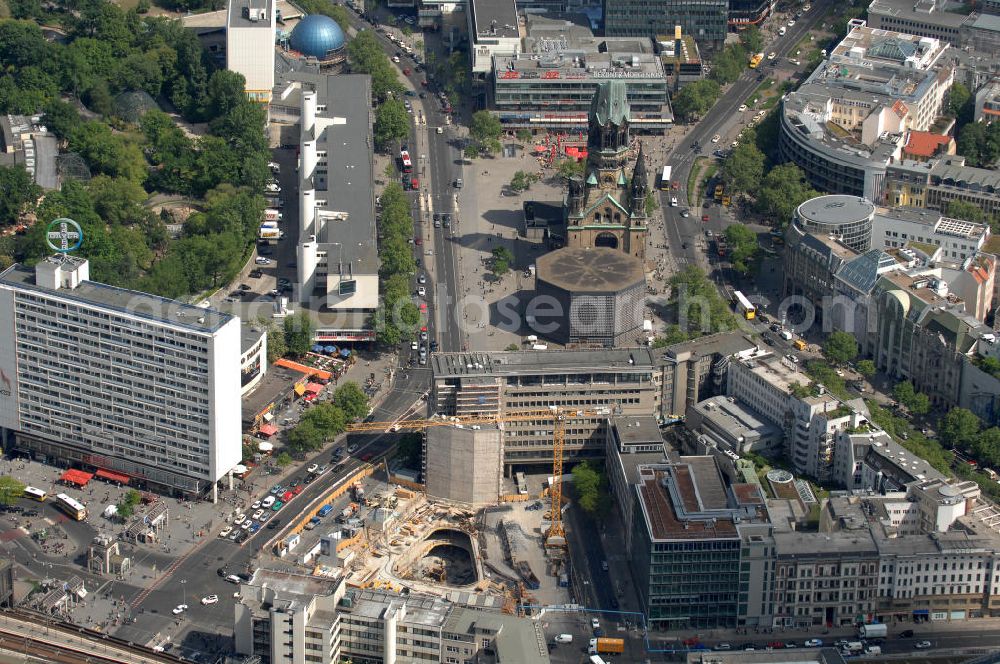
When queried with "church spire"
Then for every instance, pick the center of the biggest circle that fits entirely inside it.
(640, 180)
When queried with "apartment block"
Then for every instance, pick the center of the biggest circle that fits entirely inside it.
(337, 258)
(938, 549)
(809, 416)
(701, 549)
(958, 239)
(934, 183)
(106, 378)
(849, 120)
(289, 618)
(608, 381)
(824, 581)
(620, 381)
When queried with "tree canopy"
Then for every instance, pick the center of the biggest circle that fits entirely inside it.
(743, 169)
(840, 347)
(299, 333)
(695, 99)
(695, 307)
(784, 188)
(11, 489)
(398, 316)
(392, 123)
(366, 56)
(18, 193)
(916, 402)
(743, 246)
(958, 428)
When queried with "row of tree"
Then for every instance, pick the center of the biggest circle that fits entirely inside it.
(398, 316)
(322, 422)
(776, 189)
(695, 307)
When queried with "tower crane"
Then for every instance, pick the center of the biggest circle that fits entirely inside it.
(556, 536)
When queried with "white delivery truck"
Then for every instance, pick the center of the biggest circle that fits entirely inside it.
(873, 631)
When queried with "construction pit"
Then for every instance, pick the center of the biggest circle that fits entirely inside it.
(495, 554)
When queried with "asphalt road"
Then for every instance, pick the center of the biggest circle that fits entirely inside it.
(682, 234)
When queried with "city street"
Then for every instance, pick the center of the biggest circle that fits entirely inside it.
(682, 234)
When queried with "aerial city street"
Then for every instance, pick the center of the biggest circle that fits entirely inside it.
(499, 331)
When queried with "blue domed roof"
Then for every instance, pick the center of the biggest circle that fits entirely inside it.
(317, 35)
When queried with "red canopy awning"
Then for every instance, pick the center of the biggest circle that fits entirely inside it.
(112, 476)
(77, 477)
(315, 388)
(268, 430)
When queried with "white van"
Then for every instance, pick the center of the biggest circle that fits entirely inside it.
(673, 201)
(563, 638)
(782, 30)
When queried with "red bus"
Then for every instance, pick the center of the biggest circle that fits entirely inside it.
(404, 157)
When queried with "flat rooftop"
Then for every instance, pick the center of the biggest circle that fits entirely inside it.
(782, 374)
(347, 141)
(798, 544)
(588, 66)
(637, 430)
(494, 19)
(420, 609)
(885, 47)
(154, 308)
(540, 361)
(274, 383)
(920, 11)
(292, 584)
(590, 270)
(689, 500)
(236, 18)
(935, 220)
(835, 209)
(735, 418)
(217, 20)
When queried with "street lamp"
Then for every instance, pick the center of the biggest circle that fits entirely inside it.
(340, 257)
(184, 592)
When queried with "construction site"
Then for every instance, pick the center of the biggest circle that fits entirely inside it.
(381, 534)
(399, 539)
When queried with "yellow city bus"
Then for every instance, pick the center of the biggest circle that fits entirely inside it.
(73, 509)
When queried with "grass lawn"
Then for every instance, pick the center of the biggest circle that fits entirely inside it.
(4, 9)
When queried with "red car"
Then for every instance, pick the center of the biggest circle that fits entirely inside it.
(297, 490)
(366, 456)
(704, 217)
(418, 241)
(286, 496)
(406, 72)
(415, 184)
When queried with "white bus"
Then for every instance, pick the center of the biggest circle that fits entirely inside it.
(35, 494)
(743, 306)
(74, 509)
(665, 178)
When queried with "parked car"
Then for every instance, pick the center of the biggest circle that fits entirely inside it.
(179, 609)
(210, 599)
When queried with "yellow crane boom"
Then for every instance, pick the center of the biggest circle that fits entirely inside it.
(558, 416)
